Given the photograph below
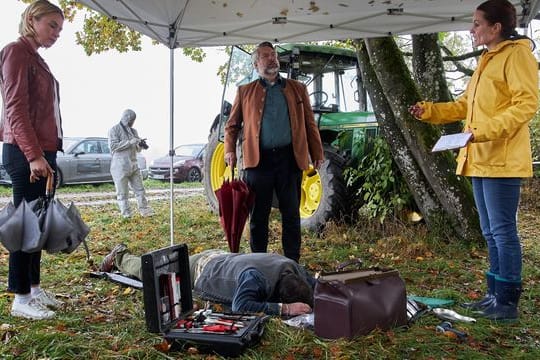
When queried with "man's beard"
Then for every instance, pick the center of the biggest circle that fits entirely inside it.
(271, 70)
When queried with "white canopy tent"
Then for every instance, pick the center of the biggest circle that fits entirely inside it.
(189, 23)
(194, 23)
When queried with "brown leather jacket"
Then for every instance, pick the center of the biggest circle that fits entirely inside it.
(247, 113)
(28, 92)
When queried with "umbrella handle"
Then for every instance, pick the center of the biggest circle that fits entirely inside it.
(232, 173)
(50, 185)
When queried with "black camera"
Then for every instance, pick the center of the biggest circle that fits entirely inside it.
(143, 144)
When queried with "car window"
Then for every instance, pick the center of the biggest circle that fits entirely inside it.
(188, 150)
(87, 147)
(105, 147)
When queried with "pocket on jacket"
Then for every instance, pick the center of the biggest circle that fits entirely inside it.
(491, 153)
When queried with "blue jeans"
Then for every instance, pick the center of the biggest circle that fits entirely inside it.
(24, 268)
(497, 200)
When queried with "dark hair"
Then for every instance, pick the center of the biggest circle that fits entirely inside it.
(502, 12)
(293, 288)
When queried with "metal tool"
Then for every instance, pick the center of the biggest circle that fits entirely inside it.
(446, 314)
(219, 321)
(446, 326)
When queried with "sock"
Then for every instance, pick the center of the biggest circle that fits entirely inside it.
(22, 299)
(35, 290)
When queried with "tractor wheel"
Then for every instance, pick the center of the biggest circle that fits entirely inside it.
(215, 169)
(324, 193)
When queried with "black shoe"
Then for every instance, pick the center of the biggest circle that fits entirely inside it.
(108, 261)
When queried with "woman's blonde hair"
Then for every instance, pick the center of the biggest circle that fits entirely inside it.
(36, 10)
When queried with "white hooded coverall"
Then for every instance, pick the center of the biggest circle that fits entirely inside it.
(124, 144)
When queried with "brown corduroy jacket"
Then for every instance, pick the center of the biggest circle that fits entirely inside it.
(246, 114)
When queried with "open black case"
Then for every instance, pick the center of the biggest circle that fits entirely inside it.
(168, 307)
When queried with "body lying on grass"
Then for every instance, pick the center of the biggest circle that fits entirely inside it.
(255, 282)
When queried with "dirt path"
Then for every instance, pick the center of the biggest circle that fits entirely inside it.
(100, 198)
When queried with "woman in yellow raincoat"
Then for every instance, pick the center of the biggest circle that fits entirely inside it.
(500, 100)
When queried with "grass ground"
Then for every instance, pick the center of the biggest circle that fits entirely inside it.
(106, 321)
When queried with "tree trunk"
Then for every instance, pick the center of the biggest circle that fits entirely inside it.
(428, 71)
(428, 68)
(443, 197)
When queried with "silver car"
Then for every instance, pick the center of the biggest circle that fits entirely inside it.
(86, 160)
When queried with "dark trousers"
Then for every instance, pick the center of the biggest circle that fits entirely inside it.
(277, 172)
(24, 268)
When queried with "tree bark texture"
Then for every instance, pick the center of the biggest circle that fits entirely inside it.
(428, 68)
(442, 196)
(428, 71)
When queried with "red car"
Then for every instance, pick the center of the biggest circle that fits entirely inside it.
(187, 164)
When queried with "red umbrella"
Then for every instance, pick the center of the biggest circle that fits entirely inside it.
(235, 202)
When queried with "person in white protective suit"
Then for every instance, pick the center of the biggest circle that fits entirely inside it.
(125, 143)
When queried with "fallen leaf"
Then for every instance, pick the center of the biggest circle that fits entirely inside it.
(128, 291)
(61, 327)
(163, 347)
(318, 352)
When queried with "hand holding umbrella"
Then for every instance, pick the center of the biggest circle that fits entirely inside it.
(235, 203)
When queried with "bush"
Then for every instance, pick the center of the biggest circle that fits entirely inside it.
(377, 184)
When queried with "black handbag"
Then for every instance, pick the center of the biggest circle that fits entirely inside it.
(351, 303)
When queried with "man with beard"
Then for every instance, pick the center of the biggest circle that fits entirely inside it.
(279, 139)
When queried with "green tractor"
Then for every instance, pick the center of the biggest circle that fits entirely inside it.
(339, 102)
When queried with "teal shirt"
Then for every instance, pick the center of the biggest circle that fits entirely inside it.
(275, 127)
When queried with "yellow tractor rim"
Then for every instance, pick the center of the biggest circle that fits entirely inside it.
(219, 171)
(312, 193)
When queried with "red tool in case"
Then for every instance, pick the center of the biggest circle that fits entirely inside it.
(168, 308)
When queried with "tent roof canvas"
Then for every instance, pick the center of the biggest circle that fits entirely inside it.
(191, 23)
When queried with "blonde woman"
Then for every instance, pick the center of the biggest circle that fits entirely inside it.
(31, 132)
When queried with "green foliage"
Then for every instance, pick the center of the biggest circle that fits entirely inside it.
(102, 34)
(196, 54)
(377, 183)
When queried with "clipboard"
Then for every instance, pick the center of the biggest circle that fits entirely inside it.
(451, 142)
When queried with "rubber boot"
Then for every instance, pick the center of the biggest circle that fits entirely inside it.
(487, 299)
(504, 307)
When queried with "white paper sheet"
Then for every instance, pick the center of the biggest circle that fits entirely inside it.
(450, 142)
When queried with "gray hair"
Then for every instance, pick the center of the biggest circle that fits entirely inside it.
(255, 53)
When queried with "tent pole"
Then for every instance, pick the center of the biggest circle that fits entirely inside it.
(171, 148)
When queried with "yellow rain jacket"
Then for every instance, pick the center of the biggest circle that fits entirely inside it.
(500, 100)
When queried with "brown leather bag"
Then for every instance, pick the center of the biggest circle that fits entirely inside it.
(352, 303)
